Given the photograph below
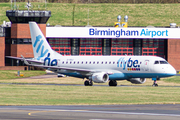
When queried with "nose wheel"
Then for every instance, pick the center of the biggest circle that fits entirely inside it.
(155, 84)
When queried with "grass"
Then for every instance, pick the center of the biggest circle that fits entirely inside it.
(104, 14)
(171, 81)
(74, 95)
(174, 79)
(12, 74)
(14, 94)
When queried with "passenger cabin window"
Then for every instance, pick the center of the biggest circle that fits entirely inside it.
(156, 62)
(163, 62)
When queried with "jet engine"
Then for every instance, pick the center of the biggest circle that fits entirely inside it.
(99, 77)
(137, 80)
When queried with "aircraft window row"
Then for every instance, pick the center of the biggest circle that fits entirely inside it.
(161, 62)
(94, 62)
(89, 62)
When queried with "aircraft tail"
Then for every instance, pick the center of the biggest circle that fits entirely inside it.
(41, 47)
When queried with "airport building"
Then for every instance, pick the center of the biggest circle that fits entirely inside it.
(15, 39)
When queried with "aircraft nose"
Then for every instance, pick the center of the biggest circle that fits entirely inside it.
(172, 71)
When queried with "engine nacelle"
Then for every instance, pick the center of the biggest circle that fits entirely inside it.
(137, 80)
(99, 77)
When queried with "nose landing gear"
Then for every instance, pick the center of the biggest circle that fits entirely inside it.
(155, 82)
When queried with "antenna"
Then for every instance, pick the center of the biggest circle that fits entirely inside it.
(11, 5)
(28, 5)
(88, 13)
(88, 16)
(14, 4)
(45, 4)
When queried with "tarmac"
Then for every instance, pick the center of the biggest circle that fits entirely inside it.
(90, 112)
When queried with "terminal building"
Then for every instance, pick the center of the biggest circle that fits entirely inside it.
(15, 39)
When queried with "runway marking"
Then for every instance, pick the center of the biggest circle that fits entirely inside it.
(103, 112)
(127, 113)
(30, 114)
(40, 111)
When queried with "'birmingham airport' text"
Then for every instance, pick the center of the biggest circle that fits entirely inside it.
(124, 32)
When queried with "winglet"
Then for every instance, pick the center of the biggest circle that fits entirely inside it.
(25, 61)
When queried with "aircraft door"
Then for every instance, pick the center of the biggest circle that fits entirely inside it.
(146, 65)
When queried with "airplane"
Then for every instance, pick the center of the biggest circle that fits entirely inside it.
(97, 69)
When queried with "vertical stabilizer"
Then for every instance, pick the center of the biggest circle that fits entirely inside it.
(39, 43)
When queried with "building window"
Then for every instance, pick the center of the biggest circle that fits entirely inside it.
(63, 44)
(121, 46)
(90, 46)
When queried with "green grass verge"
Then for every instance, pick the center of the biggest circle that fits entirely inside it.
(12, 74)
(74, 95)
(104, 14)
(174, 79)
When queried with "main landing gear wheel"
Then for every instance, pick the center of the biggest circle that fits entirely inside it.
(88, 83)
(112, 83)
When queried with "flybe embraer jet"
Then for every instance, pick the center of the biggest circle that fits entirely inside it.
(98, 69)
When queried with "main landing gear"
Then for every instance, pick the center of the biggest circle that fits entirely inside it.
(112, 83)
(88, 83)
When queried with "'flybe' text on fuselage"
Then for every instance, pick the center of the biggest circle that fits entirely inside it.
(125, 32)
(132, 65)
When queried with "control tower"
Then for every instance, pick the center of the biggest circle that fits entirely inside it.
(20, 37)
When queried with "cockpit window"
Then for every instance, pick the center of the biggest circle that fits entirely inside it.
(163, 62)
(156, 62)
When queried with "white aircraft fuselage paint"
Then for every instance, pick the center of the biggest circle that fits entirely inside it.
(117, 67)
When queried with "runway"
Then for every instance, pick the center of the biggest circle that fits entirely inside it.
(89, 112)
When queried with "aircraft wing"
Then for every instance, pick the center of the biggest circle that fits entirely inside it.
(29, 60)
(56, 67)
(81, 71)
